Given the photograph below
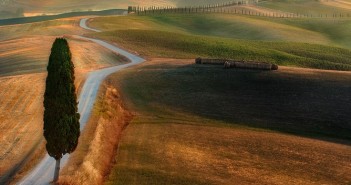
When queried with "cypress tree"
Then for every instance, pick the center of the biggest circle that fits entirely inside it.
(61, 117)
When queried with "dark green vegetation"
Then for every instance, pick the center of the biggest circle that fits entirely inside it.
(199, 124)
(61, 117)
(187, 36)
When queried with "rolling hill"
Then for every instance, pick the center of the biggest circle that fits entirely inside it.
(24, 53)
(281, 41)
(11, 8)
(195, 124)
(205, 125)
(198, 124)
(19, 8)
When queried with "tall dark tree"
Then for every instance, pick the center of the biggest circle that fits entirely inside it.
(61, 117)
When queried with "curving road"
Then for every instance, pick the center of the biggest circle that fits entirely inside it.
(43, 173)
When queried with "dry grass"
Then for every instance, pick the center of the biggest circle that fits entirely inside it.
(30, 55)
(263, 10)
(92, 160)
(183, 143)
(338, 3)
(34, 7)
(47, 28)
(21, 108)
(21, 122)
(29, 162)
(21, 113)
(199, 154)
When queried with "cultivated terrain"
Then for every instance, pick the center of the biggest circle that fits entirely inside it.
(205, 125)
(23, 65)
(170, 121)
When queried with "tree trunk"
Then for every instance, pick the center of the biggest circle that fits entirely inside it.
(57, 170)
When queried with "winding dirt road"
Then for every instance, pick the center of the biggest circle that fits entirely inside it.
(42, 174)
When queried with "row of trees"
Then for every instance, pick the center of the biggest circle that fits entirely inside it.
(227, 8)
(209, 7)
(61, 117)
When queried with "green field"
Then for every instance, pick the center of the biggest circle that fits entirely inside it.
(220, 25)
(336, 30)
(187, 36)
(199, 124)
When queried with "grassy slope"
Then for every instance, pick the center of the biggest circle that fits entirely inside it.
(303, 7)
(184, 36)
(32, 8)
(180, 134)
(221, 25)
(191, 125)
(38, 7)
(336, 30)
(321, 31)
(310, 103)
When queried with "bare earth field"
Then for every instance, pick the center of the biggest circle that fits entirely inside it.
(23, 63)
(175, 139)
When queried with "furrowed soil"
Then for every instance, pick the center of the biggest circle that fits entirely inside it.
(184, 133)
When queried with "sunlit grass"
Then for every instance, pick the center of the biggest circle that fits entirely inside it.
(176, 45)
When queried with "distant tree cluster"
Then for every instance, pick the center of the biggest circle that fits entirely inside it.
(61, 117)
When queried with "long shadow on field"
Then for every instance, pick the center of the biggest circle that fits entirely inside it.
(308, 104)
